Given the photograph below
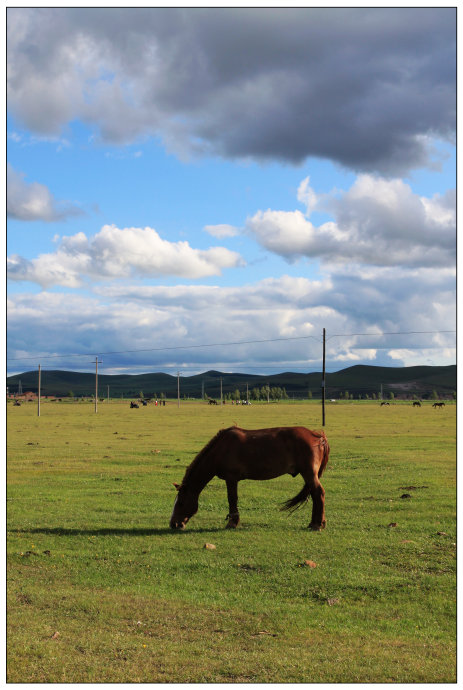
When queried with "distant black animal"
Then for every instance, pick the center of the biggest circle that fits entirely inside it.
(132, 404)
(17, 403)
(416, 404)
(384, 403)
(439, 405)
(212, 402)
(143, 402)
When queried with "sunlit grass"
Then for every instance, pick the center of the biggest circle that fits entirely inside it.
(101, 590)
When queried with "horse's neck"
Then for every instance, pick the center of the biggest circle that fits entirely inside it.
(199, 475)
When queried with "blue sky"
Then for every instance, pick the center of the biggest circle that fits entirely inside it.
(180, 178)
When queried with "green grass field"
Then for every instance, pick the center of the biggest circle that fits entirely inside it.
(101, 590)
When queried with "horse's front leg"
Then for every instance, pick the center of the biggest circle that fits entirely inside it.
(232, 493)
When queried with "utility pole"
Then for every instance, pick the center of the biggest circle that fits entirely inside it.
(38, 395)
(247, 393)
(323, 378)
(96, 382)
(221, 391)
(108, 394)
(178, 389)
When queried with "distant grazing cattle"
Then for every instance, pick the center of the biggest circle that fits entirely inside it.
(133, 404)
(416, 404)
(384, 403)
(17, 403)
(212, 402)
(439, 404)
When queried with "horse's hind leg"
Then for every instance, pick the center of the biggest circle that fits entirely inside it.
(317, 492)
(232, 493)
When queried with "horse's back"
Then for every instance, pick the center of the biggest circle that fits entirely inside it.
(269, 453)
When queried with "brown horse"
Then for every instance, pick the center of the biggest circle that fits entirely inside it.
(235, 454)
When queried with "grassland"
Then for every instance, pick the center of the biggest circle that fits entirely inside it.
(101, 590)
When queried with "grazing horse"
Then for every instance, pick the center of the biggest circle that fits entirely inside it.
(439, 405)
(212, 402)
(416, 404)
(235, 454)
(133, 404)
(384, 403)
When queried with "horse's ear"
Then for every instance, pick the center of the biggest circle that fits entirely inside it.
(177, 486)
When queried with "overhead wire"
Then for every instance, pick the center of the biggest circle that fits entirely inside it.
(235, 343)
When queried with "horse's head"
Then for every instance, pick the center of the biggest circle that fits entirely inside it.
(185, 506)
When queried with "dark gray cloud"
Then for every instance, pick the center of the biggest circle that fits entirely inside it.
(365, 87)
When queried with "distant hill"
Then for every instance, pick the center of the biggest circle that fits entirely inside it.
(360, 380)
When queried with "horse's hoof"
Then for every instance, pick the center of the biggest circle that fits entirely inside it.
(233, 521)
(317, 528)
(232, 524)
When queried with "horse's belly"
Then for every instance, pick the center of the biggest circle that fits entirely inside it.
(263, 471)
(267, 475)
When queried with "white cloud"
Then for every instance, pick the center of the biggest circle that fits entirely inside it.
(33, 201)
(377, 222)
(222, 230)
(307, 196)
(115, 253)
(291, 312)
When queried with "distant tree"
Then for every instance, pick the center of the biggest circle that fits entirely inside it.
(309, 394)
(255, 394)
(434, 395)
(71, 395)
(265, 392)
(391, 396)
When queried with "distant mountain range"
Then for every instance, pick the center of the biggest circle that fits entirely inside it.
(357, 381)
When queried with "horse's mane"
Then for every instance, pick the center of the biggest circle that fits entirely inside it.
(201, 455)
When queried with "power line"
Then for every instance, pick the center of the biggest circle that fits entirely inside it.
(239, 342)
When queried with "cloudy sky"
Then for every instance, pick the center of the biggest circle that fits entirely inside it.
(210, 188)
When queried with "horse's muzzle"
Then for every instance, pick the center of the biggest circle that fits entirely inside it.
(178, 525)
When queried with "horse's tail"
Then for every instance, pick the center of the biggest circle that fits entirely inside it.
(303, 495)
(326, 453)
(296, 502)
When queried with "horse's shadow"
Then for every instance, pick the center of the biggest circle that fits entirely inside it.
(114, 531)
